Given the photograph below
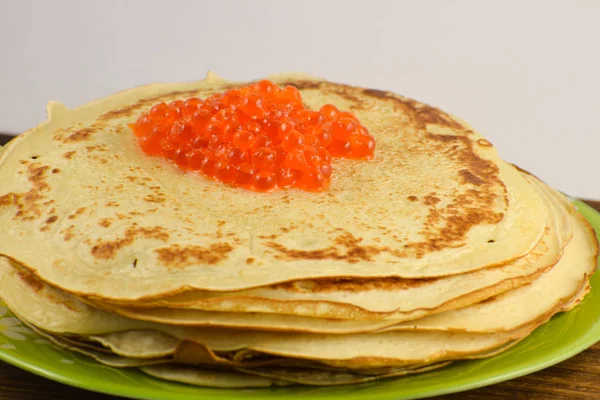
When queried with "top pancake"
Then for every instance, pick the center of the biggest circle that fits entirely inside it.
(84, 209)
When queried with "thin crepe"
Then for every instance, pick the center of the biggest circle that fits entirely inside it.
(364, 350)
(385, 299)
(564, 280)
(102, 214)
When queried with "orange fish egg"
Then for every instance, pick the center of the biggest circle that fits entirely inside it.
(260, 137)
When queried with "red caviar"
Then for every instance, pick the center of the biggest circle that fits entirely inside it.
(260, 137)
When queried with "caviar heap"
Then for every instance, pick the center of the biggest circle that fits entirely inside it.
(259, 137)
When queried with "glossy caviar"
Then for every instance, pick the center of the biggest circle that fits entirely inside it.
(260, 137)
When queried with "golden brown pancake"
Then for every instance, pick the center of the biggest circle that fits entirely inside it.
(435, 201)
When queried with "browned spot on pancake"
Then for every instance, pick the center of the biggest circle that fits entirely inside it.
(151, 198)
(69, 154)
(108, 249)
(55, 171)
(68, 233)
(250, 260)
(62, 302)
(37, 176)
(9, 199)
(412, 198)
(425, 114)
(183, 256)
(303, 84)
(354, 284)
(420, 114)
(285, 199)
(346, 92)
(380, 94)
(431, 199)
(30, 279)
(49, 221)
(30, 204)
(96, 147)
(77, 213)
(349, 93)
(346, 247)
(111, 203)
(484, 143)
(105, 222)
(469, 177)
(272, 236)
(488, 300)
(79, 135)
(129, 110)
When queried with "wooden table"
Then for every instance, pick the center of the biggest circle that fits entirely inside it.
(576, 378)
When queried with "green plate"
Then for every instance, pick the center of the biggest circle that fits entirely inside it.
(564, 336)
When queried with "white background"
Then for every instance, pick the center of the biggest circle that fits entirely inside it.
(524, 73)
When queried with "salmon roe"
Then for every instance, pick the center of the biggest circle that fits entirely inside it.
(260, 137)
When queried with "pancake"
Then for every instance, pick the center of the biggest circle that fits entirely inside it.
(577, 299)
(564, 281)
(109, 359)
(364, 350)
(329, 378)
(434, 251)
(52, 309)
(139, 344)
(211, 378)
(567, 282)
(381, 349)
(137, 218)
(373, 299)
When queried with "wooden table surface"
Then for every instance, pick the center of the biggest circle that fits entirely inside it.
(576, 378)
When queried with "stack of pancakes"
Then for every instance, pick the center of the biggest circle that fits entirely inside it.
(434, 251)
